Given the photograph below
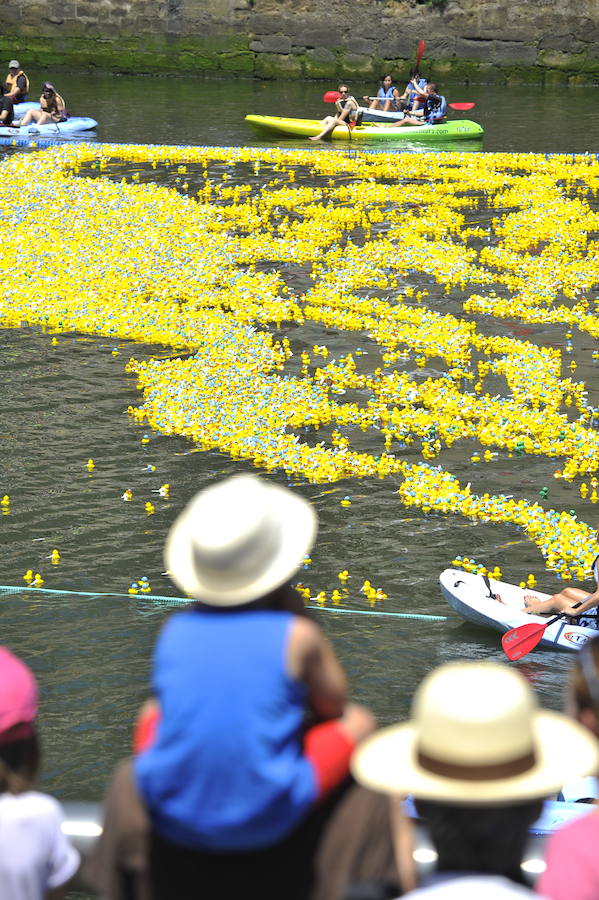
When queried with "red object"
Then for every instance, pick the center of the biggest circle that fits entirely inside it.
(329, 749)
(145, 728)
(517, 642)
(462, 105)
(331, 96)
(420, 53)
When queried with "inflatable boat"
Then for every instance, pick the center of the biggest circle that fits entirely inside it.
(474, 598)
(371, 132)
(43, 134)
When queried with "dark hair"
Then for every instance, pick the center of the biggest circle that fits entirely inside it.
(284, 598)
(2, 88)
(484, 839)
(19, 764)
(386, 75)
(46, 86)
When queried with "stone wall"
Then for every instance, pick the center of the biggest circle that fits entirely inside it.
(481, 40)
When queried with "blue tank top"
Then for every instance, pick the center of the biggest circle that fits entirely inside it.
(226, 771)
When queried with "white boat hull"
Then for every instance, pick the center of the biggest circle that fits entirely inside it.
(468, 595)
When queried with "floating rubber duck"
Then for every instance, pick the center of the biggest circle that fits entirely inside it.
(543, 493)
(28, 576)
(114, 351)
(54, 342)
(90, 465)
(144, 585)
(164, 490)
(346, 501)
(149, 468)
(55, 557)
(128, 495)
(149, 508)
(307, 561)
(343, 576)
(5, 502)
(145, 439)
(37, 581)
(134, 589)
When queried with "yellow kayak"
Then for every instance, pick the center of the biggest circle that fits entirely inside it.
(455, 130)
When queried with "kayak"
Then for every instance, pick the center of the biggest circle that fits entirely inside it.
(459, 129)
(379, 115)
(52, 129)
(468, 594)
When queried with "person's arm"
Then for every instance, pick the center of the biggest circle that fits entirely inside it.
(60, 105)
(311, 659)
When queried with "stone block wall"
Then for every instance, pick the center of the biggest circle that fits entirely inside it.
(479, 40)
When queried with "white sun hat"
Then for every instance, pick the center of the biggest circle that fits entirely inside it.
(238, 540)
(14, 64)
(476, 736)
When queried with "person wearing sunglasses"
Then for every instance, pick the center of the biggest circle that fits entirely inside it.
(347, 107)
(52, 108)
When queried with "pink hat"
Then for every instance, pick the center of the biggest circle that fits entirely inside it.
(18, 692)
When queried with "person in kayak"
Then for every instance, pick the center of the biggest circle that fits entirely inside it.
(17, 82)
(347, 107)
(6, 107)
(586, 614)
(413, 89)
(52, 108)
(430, 113)
(387, 98)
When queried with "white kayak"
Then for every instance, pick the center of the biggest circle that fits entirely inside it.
(469, 595)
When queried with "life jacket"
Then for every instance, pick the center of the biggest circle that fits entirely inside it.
(51, 106)
(413, 94)
(11, 81)
(434, 108)
(386, 94)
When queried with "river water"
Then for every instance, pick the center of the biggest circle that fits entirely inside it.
(65, 404)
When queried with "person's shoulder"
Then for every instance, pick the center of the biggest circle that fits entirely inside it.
(32, 804)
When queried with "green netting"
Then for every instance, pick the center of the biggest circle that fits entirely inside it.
(160, 600)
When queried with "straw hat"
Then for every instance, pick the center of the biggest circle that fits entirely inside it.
(476, 736)
(239, 540)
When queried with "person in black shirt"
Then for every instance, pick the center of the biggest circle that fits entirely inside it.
(6, 107)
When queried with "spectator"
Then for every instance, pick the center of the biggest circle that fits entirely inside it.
(479, 757)
(36, 859)
(572, 871)
(236, 791)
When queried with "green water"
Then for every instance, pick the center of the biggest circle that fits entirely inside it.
(63, 405)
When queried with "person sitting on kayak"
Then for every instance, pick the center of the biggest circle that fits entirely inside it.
(430, 113)
(415, 87)
(347, 107)
(6, 107)
(17, 83)
(564, 600)
(52, 108)
(387, 98)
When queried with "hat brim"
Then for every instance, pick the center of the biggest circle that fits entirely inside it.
(297, 524)
(388, 762)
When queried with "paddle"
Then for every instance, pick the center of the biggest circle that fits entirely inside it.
(517, 642)
(463, 106)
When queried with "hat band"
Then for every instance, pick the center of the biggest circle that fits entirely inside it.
(491, 772)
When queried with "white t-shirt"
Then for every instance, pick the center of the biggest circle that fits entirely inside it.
(35, 855)
(473, 887)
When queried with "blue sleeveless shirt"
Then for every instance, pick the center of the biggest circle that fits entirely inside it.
(226, 771)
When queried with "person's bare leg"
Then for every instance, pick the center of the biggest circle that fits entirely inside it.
(560, 602)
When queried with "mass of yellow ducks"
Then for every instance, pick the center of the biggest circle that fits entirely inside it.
(232, 256)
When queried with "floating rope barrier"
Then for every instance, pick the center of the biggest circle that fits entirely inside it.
(183, 601)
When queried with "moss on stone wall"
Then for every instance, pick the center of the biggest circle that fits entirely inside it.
(230, 53)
